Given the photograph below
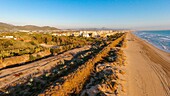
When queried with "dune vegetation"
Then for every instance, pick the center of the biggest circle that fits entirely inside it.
(76, 81)
(28, 46)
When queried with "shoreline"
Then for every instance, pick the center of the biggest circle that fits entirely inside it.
(148, 68)
(156, 51)
(152, 44)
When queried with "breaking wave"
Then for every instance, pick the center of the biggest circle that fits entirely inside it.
(160, 39)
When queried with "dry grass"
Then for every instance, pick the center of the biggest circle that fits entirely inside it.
(124, 41)
(21, 59)
(14, 60)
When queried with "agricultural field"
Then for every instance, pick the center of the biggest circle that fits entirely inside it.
(79, 66)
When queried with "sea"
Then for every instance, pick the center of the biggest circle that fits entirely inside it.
(160, 39)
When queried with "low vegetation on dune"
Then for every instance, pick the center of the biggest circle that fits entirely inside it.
(76, 81)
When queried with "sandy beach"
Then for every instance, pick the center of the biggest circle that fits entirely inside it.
(148, 68)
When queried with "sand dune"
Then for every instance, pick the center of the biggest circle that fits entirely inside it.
(148, 68)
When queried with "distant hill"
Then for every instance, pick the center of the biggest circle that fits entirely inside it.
(5, 26)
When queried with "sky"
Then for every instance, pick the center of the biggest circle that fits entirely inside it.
(66, 14)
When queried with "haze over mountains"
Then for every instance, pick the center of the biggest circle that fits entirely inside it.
(5, 26)
(11, 27)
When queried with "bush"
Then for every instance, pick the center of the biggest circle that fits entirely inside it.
(32, 58)
(33, 43)
(7, 44)
(38, 56)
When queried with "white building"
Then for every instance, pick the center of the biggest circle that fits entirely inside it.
(86, 35)
(8, 37)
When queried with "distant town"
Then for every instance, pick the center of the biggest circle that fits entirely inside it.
(57, 32)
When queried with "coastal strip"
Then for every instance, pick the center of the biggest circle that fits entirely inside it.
(148, 68)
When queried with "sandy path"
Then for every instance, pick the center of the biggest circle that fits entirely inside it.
(148, 69)
(7, 75)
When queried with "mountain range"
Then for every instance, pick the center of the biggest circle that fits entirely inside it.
(5, 26)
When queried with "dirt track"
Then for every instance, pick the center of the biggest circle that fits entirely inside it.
(10, 75)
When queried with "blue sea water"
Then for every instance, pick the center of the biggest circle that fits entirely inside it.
(160, 39)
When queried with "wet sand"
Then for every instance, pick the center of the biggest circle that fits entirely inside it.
(148, 68)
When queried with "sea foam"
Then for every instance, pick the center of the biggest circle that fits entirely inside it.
(160, 39)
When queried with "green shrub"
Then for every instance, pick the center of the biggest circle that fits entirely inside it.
(31, 57)
(38, 56)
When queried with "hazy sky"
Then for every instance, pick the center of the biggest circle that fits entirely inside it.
(133, 14)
